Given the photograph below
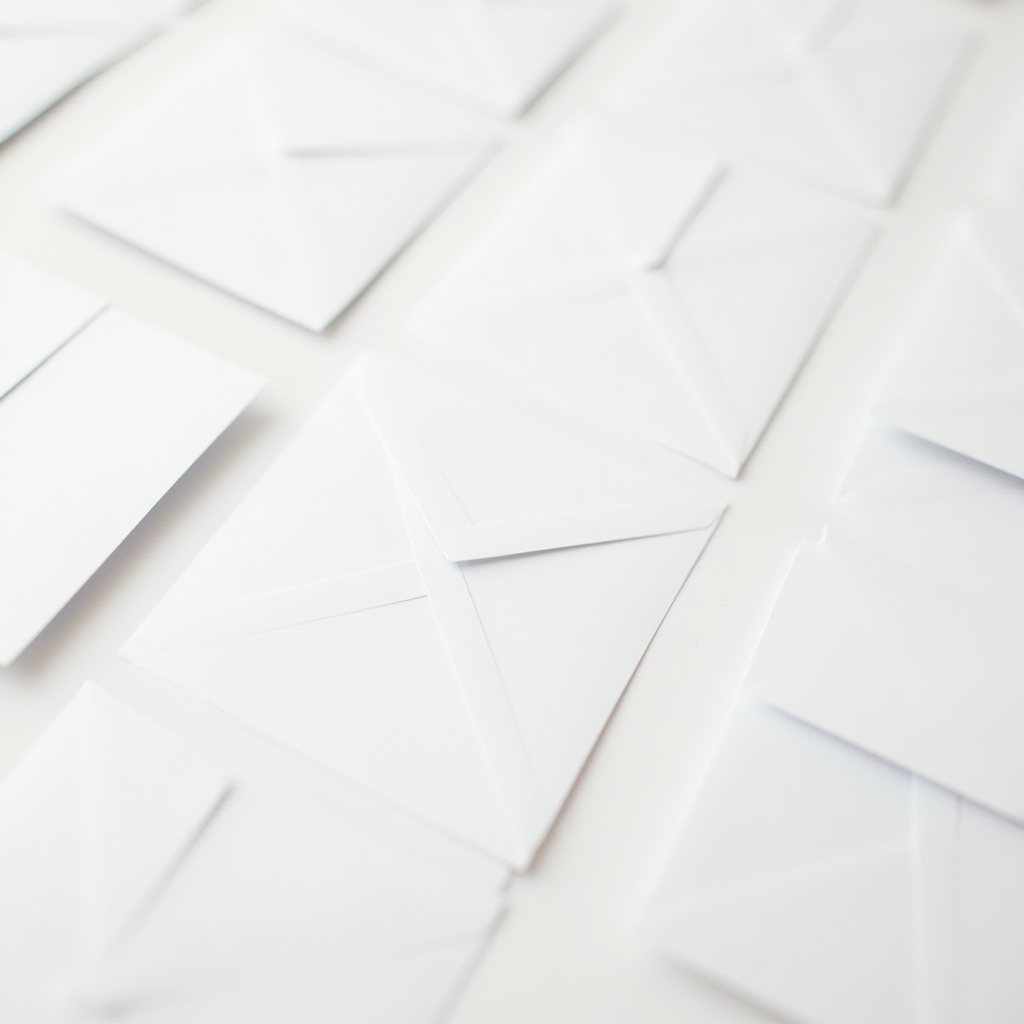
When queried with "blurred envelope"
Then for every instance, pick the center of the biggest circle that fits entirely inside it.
(436, 595)
(959, 379)
(49, 47)
(101, 416)
(497, 55)
(840, 91)
(905, 659)
(279, 172)
(138, 884)
(955, 511)
(833, 888)
(609, 285)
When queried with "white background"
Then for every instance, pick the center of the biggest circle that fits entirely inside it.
(566, 950)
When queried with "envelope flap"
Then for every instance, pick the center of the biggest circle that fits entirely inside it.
(490, 482)
(315, 101)
(38, 314)
(146, 797)
(647, 184)
(960, 379)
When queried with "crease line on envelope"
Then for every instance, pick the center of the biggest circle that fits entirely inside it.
(498, 732)
(325, 599)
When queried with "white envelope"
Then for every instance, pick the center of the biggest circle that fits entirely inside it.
(38, 314)
(437, 596)
(496, 55)
(831, 887)
(959, 378)
(49, 47)
(905, 659)
(139, 884)
(609, 284)
(953, 510)
(840, 91)
(113, 413)
(279, 172)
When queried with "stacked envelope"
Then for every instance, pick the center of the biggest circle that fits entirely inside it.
(100, 414)
(49, 47)
(139, 883)
(839, 91)
(437, 593)
(900, 637)
(648, 283)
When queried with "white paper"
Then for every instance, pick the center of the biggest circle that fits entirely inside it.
(904, 659)
(496, 55)
(831, 887)
(141, 884)
(90, 441)
(279, 172)
(49, 47)
(839, 91)
(958, 380)
(436, 595)
(609, 285)
(955, 511)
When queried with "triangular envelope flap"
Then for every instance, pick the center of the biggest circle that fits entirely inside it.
(861, 643)
(835, 942)
(567, 628)
(38, 314)
(960, 378)
(319, 102)
(648, 184)
(490, 482)
(147, 796)
(799, 22)
(325, 510)
(778, 798)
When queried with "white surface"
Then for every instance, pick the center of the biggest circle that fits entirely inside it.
(567, 950)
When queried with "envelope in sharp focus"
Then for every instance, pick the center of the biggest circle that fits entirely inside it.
(140, 884)
(639, 280)
(831, 887)
(496, 55)
(49, 47)
(100, 414)
(840, 91)
(953, 510)
(959, 378)
(905, 658)
(279, 172)
(436, 595)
